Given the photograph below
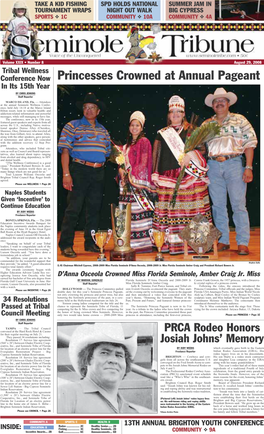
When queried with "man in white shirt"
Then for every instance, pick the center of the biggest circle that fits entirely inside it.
(226, 172)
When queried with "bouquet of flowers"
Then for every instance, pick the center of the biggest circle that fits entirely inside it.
(117, 157)
(200, 135)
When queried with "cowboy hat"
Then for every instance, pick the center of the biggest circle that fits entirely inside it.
(87, 334)
(91, 98)
(220, 92)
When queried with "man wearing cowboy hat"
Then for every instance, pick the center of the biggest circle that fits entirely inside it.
(226, 171)
(88, 143)
(101, 356)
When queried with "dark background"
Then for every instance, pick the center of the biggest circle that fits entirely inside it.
(250, 7)
(152, 100)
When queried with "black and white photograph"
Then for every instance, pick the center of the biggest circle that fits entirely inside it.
(107, 368)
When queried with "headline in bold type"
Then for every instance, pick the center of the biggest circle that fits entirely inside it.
(30, 306)
(160, 75)
(20, 199)
(211, 333)
(34, 78)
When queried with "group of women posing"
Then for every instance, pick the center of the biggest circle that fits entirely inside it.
(155, 170)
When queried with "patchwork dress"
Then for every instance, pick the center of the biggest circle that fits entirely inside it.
(192, 196)
(138, 162)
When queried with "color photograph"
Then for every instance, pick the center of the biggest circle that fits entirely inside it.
(154, 173)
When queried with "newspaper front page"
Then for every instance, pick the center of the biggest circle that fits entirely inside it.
(131, 302)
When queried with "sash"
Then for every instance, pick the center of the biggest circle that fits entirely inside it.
(176, 146)
(173, 141)
(140, 194)
(142, 200)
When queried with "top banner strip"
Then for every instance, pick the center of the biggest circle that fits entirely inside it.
(135, 11)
